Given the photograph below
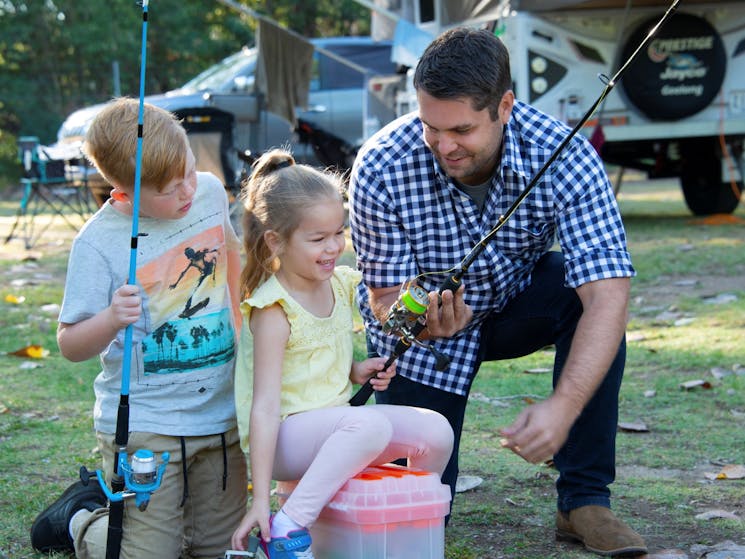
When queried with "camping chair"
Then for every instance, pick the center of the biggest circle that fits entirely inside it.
(332, 151)
(54, 181)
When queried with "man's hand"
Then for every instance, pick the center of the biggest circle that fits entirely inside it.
(540, 430)
(447, 313)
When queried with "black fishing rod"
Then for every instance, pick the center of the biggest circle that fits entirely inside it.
(409, 327)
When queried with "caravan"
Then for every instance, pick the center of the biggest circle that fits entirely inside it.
(679, 110)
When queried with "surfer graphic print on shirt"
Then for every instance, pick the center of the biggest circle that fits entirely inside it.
(186, 288)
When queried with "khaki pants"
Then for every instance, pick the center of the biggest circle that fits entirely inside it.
(201, 527)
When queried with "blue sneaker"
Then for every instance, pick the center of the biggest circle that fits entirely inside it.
(295, 545)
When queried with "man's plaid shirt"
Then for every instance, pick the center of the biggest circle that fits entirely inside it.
(408, 218)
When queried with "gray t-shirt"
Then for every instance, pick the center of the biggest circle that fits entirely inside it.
(183, 350)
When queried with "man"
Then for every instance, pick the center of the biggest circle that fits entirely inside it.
(424, 191)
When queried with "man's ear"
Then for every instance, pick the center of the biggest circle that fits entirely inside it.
(119, 195)
(505, 106)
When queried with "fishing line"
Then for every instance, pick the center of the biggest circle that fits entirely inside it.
(413, 327)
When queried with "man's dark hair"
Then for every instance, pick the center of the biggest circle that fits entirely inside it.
(466, 63)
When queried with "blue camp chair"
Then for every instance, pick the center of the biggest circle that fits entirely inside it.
(54, 182)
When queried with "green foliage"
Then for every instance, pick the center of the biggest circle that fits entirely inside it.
(10, 170)
(58, 56)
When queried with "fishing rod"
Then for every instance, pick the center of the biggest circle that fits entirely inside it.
(141, 475)
(406, 318)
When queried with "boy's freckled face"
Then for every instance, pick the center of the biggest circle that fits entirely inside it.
(175, 199)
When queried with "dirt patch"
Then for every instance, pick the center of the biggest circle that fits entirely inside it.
(665, 290)
(491, 521)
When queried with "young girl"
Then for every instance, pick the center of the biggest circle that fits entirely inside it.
(295, 368)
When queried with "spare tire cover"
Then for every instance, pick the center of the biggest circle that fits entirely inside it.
(681, 70)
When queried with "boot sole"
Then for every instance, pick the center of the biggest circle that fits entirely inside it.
(630, 551)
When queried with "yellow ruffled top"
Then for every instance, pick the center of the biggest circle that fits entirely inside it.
(318, 356)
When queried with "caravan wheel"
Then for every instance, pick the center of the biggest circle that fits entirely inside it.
(704, 190)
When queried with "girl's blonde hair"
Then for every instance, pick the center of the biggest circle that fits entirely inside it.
(274, 198)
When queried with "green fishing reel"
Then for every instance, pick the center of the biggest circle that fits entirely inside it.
(409, 309)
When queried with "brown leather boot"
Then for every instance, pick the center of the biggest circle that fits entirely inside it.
(600, 531)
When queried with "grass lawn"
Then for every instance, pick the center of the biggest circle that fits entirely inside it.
(687, 323)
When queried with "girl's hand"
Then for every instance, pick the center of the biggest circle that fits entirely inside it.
(372, 369)
(256, 517)
(126, 306)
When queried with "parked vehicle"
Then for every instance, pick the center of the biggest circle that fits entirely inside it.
(679, 109)
(223, 113)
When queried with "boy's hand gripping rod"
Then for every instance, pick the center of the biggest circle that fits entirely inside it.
(408, 333)
(142, 475)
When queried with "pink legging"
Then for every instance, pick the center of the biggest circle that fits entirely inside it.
(324, 448)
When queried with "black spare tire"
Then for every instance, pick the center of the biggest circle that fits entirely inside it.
(681, 70)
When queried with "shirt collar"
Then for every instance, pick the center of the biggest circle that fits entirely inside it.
(511, 158)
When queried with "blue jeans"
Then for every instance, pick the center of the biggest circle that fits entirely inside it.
(546, 313)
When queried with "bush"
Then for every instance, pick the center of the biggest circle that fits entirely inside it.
(10, 170)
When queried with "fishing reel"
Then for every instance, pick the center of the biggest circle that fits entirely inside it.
(409, 308)
(142, 475)
(407, 318)
(251, 549)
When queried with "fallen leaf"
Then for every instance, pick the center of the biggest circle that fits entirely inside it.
(14, 299)
(667, 316)
(27, 365)
(690, 384)
(466, 483)
(721, 299)
(635, 427)
(650, 393)
(726, 554)
(726, 549)
(732, 471)
(720, 372)
(717, 513)
(635, 337)
(668, 554)
(33, 351)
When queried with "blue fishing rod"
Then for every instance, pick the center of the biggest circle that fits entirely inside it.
(406, 318)
(140, 475)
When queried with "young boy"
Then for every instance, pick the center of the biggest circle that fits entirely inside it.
(182, 311)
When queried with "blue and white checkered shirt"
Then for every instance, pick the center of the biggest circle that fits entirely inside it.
(408, 218)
